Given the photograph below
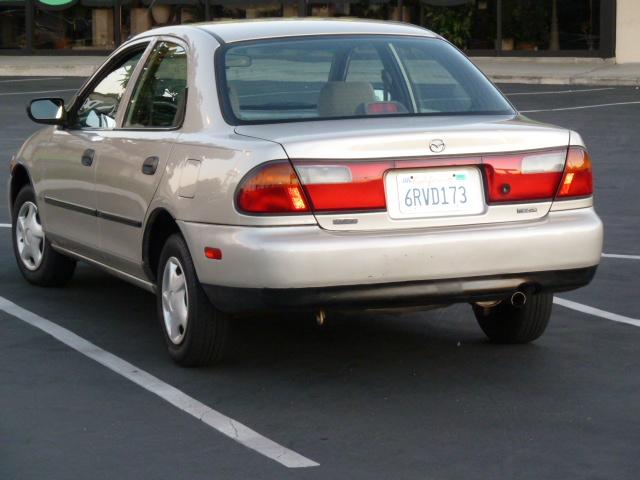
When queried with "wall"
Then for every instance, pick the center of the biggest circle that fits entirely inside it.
(627, 31)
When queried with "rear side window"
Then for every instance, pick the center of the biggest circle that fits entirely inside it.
(159, 98)
(351, 76)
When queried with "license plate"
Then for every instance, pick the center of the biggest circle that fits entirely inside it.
(434, 192)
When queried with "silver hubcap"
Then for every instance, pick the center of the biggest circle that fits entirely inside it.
(29, 236)
(175, 303)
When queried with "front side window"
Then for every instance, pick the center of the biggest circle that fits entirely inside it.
(158, 100)
(100, 107)
(341, 77)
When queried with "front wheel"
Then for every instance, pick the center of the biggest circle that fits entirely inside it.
(506, 323)
(38, 262)
(194, 330)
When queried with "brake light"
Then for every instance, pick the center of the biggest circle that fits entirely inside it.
(357, 185)
(578, 178)
(272, 188)
(344, 185)
(520, 177)
(381, 108)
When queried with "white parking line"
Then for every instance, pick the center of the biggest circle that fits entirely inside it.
(596, 311)
(39, 91)
(583, 107)
(47, 79)
(5, 225)
(220, 422)
(560, 91)
(625, 257)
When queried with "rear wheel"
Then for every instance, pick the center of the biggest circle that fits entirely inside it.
(195, 331)
(38, 262)
(506, 323)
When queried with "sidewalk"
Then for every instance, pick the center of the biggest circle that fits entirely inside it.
(552, 71)
(560, 71)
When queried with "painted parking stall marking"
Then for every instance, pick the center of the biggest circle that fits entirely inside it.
(579, 307)
(623, 257)
(38, 92)
(582, 107)
(559, 92)
(40, 79)
(216, 420)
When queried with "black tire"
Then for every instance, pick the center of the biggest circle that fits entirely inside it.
(205, 337)
(55, 269)
(505, 323)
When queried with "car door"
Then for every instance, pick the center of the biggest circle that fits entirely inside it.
(69, 207)
(134, 156)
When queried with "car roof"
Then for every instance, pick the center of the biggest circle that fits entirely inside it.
(241, 30)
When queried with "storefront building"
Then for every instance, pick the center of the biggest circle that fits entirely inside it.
(575, 28)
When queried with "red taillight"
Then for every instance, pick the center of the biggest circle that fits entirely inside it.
(523, 177)
(578, 178)
(344, 185)
(272, 188)
(357, 185)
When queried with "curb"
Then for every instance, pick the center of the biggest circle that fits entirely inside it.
(540, 80)
(588, 77)
(47, 71)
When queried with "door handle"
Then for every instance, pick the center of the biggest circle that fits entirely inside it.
(87, 157)
(150, 165)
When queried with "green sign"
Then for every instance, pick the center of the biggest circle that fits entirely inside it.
(56, 3)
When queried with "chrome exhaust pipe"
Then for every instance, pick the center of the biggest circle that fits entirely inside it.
(518, 299)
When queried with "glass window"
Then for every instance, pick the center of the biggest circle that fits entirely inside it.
(333, 77)
(532, 25)
(365, 65)
(66, 24)
(274, 79)
(160, 96)
(466, 24)
(225, 10)
(141, 15)
(12, 24)
(100, 107)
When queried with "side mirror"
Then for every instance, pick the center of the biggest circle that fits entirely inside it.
(49, 111)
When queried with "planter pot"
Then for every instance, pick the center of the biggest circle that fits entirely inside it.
(507, 44)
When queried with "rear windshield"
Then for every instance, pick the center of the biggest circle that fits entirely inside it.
(341, 77)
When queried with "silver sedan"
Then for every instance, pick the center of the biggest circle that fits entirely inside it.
(304, 165)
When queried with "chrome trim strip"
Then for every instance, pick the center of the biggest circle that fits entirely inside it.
(119, 219)
(70, 206)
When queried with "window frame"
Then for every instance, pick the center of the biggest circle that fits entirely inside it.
(143, 63)
(230, 118)
(108, 68)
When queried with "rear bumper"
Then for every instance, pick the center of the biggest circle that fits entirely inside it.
(395, 295)
(308, 258)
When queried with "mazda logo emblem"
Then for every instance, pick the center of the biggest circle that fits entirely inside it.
(436, 146)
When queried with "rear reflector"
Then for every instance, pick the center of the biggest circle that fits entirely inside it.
(213, 253)
(272, 188)
(578, 178)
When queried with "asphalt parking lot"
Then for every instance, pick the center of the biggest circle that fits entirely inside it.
(384, 396)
